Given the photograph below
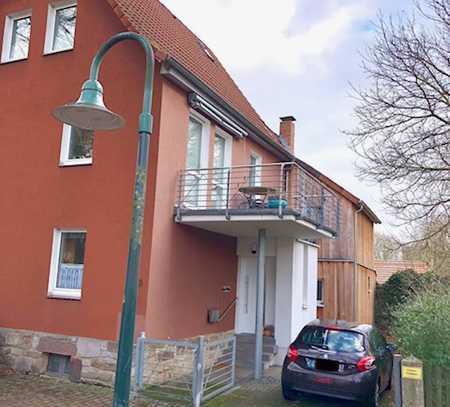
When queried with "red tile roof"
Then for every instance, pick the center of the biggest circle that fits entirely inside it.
(385, 268)
(170, 37)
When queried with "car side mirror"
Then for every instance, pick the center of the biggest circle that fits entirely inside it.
(391, 347)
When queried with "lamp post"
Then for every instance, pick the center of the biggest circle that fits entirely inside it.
(89, 113)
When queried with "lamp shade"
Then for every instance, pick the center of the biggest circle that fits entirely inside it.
(89, 112)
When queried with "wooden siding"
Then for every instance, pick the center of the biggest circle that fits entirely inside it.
(364, 241)
(338, 290)
(341, 299)
(366, 283)
(343, 246)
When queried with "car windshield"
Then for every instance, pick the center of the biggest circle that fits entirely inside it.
(332, 339)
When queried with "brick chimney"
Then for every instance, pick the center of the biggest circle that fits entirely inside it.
(287, 130)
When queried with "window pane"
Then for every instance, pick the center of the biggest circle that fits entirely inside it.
(194, 144)
(253, 171)
(71, 260)
(20, 42)
(219, 175)
(219, 152)
(65, 20)
(320, 290)
(80, 143)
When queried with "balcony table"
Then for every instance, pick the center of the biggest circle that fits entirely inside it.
(256, 195)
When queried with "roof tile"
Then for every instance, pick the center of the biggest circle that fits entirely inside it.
(163, 29)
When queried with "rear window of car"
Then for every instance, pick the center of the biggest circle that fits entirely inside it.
(332, 339)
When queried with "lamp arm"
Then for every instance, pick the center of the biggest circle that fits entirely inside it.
(145, 118)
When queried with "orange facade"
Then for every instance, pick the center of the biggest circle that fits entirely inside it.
(182, 269)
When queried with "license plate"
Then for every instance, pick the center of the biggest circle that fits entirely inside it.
(323, 380)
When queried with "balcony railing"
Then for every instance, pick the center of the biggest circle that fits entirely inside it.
(279, 188)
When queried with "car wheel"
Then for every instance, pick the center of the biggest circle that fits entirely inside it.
(374, 397)
(288, 394)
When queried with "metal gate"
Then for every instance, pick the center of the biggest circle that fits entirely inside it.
(184, 371)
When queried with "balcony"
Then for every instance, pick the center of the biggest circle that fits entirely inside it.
(282, 198)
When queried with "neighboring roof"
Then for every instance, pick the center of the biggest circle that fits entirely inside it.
(386, 268)
(171, 39)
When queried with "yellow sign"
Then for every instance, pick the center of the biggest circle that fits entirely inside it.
(414, 373)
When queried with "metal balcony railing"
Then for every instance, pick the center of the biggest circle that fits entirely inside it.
(280, 188)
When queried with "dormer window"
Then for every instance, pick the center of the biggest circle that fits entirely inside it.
(16, 38)
(61, 24)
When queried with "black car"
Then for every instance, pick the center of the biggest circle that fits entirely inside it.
(338, 359)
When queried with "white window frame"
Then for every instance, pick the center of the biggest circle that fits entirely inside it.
(64, 160)
(204, 156)
(227, 160)
(53, 291)
(258, 170)
(8, 35)
(51, 20)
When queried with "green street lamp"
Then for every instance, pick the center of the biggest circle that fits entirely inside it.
(90, 113)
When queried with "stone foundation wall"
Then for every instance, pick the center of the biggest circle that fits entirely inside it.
(91, 360)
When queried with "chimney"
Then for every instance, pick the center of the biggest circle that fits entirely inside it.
(287, 130)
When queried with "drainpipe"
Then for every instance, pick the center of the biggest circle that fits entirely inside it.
(355, 263)
(260, 303)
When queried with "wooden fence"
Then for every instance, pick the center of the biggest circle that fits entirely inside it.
(436, 385)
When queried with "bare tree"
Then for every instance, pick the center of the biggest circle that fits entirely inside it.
(403, 135)
(386, 247)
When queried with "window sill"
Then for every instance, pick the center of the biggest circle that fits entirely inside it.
(74, 163)
(320, 305)
(64, 295)
(59, 51)
(11, 61)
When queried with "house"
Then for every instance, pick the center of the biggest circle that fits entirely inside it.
(386, 268)
(219, 181)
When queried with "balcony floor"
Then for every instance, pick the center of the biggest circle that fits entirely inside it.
(247, 222)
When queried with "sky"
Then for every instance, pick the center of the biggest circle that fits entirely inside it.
(298, 57)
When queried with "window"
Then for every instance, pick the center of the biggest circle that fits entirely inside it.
(58, 365)
(320, 292)
(76, 146)
(16, 37)
(255, 170)
(67, 264)
(61, 23)
(222, 159)
(331, 339)
(195, 182)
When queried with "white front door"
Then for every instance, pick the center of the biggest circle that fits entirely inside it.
(246, 304)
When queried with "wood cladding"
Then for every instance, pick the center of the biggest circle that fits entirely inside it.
(346, 267)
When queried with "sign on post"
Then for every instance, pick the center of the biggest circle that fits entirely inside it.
(412, 382)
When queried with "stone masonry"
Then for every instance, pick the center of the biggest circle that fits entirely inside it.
(91, 360)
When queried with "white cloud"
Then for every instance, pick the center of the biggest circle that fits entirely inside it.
(248, 34)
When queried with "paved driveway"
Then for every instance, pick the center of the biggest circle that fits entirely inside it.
(33, 391)
(267, 393)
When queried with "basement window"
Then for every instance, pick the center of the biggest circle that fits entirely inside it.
(16, 37)
(58, 365)
(61, 23)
